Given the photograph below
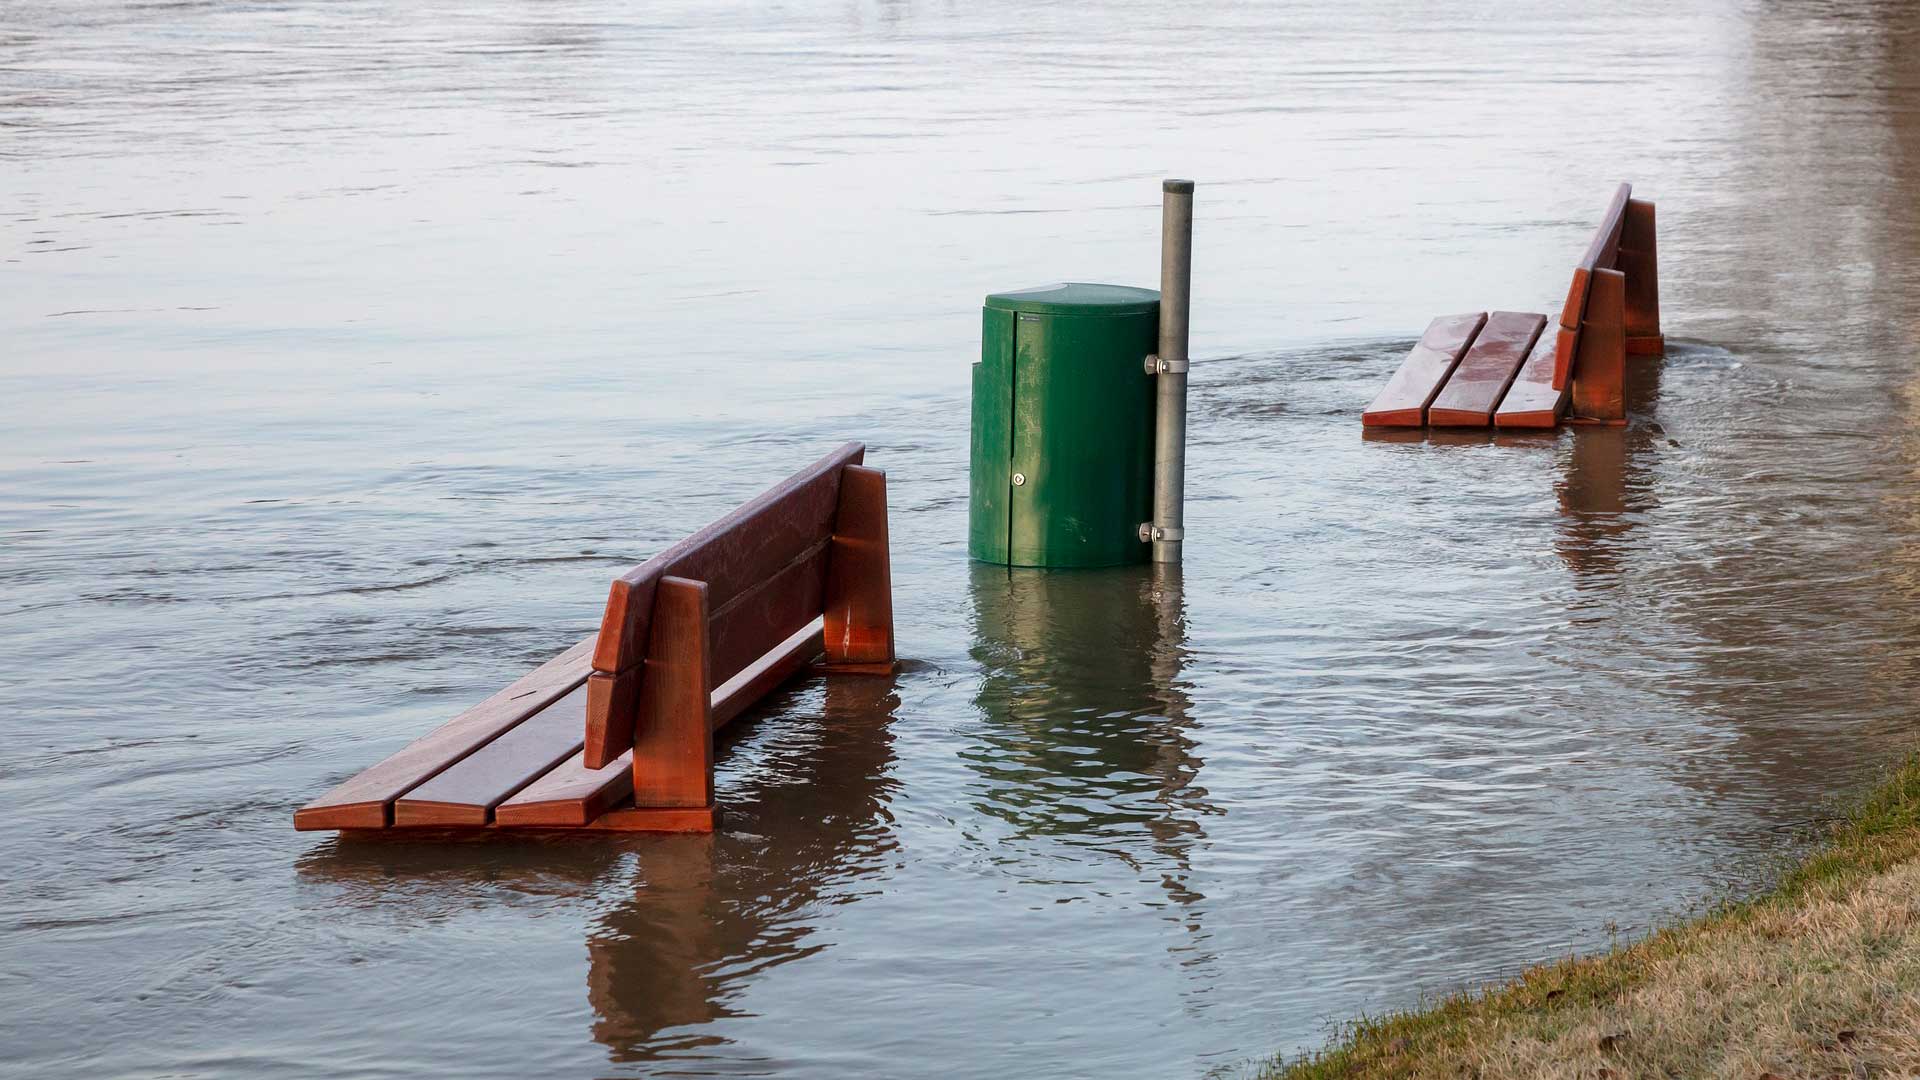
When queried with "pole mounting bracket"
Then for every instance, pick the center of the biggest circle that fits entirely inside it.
(1158, 366)
(1149, 532)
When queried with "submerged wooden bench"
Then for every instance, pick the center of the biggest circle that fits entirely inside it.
(1505, 370)
(616, 733)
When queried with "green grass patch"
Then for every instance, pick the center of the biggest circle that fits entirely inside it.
(1550, 1012)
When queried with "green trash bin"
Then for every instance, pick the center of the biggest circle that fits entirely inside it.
(1063, 427)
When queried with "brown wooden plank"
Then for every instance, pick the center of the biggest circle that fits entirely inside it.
(1481, 380)
(573, 795)
(365, 800)
(673, 737)
(858, 628)
(731, 555)
(1576, 301)
(1533, 401)
(1403, 401)
(1566, 346)
(467, 792)
(762, 617)
(613, 701)
(569, 794)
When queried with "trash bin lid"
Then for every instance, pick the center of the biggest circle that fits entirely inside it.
(1078, 298)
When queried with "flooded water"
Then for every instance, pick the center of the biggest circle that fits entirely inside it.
(351, 348)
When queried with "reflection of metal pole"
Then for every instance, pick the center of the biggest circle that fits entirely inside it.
(1170, 406)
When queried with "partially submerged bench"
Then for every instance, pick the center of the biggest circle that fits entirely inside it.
(616, 733)
(1510, 370)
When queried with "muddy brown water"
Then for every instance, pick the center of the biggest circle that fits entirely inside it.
(351, 348)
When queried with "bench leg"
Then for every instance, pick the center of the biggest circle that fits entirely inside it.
(858, 623)
(1600, 371)
(673, 735)
(1639, 260)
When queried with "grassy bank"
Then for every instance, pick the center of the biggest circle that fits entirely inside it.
(1819, 977)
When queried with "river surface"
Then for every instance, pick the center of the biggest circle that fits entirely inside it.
(348, 349)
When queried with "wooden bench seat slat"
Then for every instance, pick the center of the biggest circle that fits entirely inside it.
(1482, 378)
(467, 792)
(572, 795)
(1533, 401)
(1403, 401)
(365, 800)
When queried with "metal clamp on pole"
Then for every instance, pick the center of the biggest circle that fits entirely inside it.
(1170, 365)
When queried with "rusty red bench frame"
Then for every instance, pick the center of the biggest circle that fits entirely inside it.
(1611, 311)
(616, 733)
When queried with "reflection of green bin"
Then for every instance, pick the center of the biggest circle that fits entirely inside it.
(1063, 426)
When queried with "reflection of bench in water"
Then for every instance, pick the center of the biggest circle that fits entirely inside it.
(616, 733)
(1506, 370)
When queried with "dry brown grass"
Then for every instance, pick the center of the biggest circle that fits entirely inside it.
(1820, 978)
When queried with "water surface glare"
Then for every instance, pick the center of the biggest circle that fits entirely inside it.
(352, 347)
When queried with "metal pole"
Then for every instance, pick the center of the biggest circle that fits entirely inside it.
(1170, 406)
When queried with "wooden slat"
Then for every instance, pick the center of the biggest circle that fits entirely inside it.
(1481, 380)
(731, 555)
(365, 801)
(612, 703)
(1576, 301)
(761, 618)
(467, 792)
(1532, 401)
(1566, 345)
(1403, 401)
(572, 795)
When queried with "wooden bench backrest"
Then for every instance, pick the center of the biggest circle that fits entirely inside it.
(765, 567)
(1601, 254)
